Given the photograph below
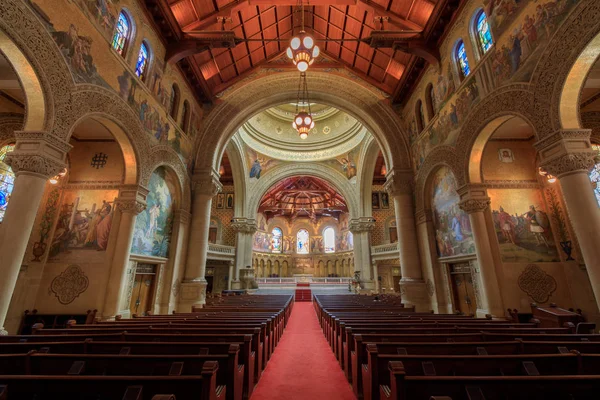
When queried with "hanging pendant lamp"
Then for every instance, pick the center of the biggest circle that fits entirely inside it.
(303, 121)
(302, 50)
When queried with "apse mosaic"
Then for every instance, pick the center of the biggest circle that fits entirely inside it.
(153, 226)
(523, 225)
(453, 233)
(258, 163)
(84, 222)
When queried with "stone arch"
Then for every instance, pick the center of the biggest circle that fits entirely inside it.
(565, 63)
(275, 175)
(440, 156)
(167, 157)
(9, 123)
(238, 171)
(239, 104)
(365, 183)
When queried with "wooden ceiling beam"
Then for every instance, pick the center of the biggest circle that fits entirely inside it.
(211, 18)
(395, 19)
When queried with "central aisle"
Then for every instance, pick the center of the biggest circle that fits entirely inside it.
(303, 365)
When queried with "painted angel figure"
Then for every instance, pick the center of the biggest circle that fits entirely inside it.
(258, 164)
(348, 166)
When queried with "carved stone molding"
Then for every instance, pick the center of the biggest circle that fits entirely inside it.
(537, 284)
(566, 151)
(182, 216)
(399, 183)
(130, 206)
(206, 183)
(69, 284)
(569, 163)
(34, 164)
(244, 225)
(363, 224)
(471, 206)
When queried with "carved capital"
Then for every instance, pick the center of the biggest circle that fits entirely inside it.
(473, 198)
(399, 182)
(132, 199)
(566, 152)
(34, 164)
(130, 206)
(38, 153)
(244, 225)
(207, 183)
(471, 206)
(362, 224)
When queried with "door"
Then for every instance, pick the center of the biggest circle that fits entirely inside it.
(463, 291)
(141, 299)
(212, 235)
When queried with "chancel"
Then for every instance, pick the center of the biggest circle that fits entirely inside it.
(293, 199)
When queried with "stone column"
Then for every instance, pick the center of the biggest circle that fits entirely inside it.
(37, 157)
(193, 288)
(399, 185)
(376, 275)
(131, 202)
(475, 202)
(230, 274)
(245, 228)
(361, 229)
(567, 154)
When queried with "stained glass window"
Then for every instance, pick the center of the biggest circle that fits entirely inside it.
(121, 35)
(7, 179)
(276, 240)
(329, 240)
(461, 59)
(483, 32)
(141, 66)
(302, 241)
(595, 175)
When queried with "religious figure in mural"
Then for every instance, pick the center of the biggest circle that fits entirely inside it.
(507, 225)
(538, 223)
(348, 166)
(153, 212)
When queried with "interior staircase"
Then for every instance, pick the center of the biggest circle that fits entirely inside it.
(303, 292)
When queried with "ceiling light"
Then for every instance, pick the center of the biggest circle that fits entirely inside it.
(303, 121)
(302, 50)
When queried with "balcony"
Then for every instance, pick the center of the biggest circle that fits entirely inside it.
(389, 251)
(220, 252)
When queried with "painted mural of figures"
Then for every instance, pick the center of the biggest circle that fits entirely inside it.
(507, 225)
(455, 226)
(153, 213)
(538, 223)
(259, 163)
(256, 169)
(348, 166)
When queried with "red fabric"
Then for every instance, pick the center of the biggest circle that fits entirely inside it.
(303, 366)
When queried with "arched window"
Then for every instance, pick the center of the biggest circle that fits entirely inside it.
(7, 179)
(594, 175)
(419, 116)
(484, 35)
(141, 66)
(174, 101)
(329, 240)
(430, 101)
(302, 241)
(461, 60)
(276, 240)
(122, 33)
(185, 118)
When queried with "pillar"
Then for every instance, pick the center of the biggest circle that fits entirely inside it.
(37, 157)
(193, 288)
(376, 275)
(131, 202)
(245, 228)
(361, 229)
(475, 202)
(399, 185)
(230, 274)
(567, 154)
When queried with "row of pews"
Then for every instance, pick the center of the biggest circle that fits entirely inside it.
(388, 351)
(214, 353)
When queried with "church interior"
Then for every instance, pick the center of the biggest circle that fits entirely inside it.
(298, 199)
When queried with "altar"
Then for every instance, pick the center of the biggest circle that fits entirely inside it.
(303, 278)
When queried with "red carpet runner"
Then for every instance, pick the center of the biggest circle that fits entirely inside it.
(303, 366)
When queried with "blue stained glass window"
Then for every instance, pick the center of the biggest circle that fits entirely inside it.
(329, 240)
(463, 62)
(595, 175)
(483, 32)
(302, 240)
(142, 62)
(121, 35)
(276, 240)
(7, 179)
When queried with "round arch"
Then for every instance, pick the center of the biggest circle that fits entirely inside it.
(285, 171)
(440, 156)
(9, 123)
(238, 170)
(168, 158)
(365, 182)
(239, 104)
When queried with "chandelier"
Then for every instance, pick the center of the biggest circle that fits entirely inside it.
(303, 121)
(302, 50)
(54, 180)
(543, 172)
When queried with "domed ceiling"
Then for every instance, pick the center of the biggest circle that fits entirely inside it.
(270, 132)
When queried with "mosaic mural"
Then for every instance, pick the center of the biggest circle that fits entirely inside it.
(452, 226)
(258, 163)
(153, 226)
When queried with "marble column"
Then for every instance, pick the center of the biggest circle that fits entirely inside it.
(37, 157)
(399, 185)
(193, 288)
(230, 274)
(361, 229)
(131, 202)
(475, 202)
(568, 155)
(245, 228)
(376, 275)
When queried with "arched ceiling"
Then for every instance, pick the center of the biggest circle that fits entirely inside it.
(218, 42)
(303, 197)
(271, 133)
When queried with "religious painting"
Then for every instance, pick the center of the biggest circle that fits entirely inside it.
(7, 179)
(258, 163)
(345, 241)
(453, 233)
(346, 163)
(220, 200)
(103, 13)
(302, 242)
(344, 221)
(261, 222)
(595, 175)
(375, 200)
(506, 155)
(385, 200)
(84, 222)
(522, 226)
(153, 226)
(288, 244)
(316, 244)
(229, 200)
(262, 242)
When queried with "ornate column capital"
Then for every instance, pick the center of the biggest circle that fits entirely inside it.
(399, 182)
(244, 225)
(181, 216)
(362, 224)
(206, 182)
(132, 199)
(567, 151)
(38, 153)
(473, 198)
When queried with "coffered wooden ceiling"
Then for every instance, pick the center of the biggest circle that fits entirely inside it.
(262, 29)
